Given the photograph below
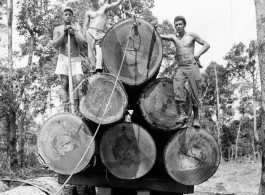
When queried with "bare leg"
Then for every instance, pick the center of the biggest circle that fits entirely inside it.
(196, 122)
(64, 91)
(77, 96)
(99, 58)
(90, 49)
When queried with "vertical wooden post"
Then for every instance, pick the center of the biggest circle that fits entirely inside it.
(70, 76)
(218, 110)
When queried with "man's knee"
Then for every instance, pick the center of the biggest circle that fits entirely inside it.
(78, 78)
(64, 82)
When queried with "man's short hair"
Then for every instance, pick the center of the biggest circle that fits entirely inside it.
(67, 8)
(178, 18)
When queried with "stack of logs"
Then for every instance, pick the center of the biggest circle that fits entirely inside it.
(150, 138)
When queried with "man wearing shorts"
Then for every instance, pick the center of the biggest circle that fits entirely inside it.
(94, 30)
(60, 41)
(187, 67)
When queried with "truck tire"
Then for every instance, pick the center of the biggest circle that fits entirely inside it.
(70, 190)
(86, 190)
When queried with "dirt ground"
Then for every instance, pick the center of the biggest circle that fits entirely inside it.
(232, 179)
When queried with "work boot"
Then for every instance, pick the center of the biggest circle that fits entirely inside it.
(196, 122)
(98, 71)
(183, 116)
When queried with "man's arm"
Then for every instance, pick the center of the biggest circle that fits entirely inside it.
(201, 41)
(166, 37)
(78, 35)
(57, 38)
(86, 23)
(114, 5)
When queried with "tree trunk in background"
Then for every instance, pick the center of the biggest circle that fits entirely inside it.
(237, 138)
(218, 112)
(21, 141)
(31, 49)
(12, 139)
(260, 20)
(256, 136)
(9, 22)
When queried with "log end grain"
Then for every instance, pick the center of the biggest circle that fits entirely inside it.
(158, 105)
(143, 56)
(192, 156)
(127, 150)
(62, 141)
(94, 103)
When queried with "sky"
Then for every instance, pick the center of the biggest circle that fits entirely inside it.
(221, 23)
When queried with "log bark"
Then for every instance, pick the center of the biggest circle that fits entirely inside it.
(158, 106)
(143, 55)
(192, 156)
(38, 186)
(127, 150)
(62, 141)
(95, 101)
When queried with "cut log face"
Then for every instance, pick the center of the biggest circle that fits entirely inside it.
(192, 156)
(144, 53)
(62, 141)
(94, 103)
(127, 150)
(158, 105)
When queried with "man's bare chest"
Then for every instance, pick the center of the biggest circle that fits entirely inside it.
(99, 13)
(184, 42)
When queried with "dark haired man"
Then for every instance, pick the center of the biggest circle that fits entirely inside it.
(94, 29)
(60, 41)
(187, 66)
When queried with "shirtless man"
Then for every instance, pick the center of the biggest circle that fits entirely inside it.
(60, 41)
(94, 30)
(188, 66)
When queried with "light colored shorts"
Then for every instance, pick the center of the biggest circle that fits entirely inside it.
(62, 65)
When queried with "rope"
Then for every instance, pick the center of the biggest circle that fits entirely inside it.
(105, 111)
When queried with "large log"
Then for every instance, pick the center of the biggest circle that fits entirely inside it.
(38, 186)
(158, 106)
(192, 156)
(94, 102)
(143, 55)
(127, 150)
(62, 141)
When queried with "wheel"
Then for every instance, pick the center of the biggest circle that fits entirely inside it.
(85, 190)
(70, 190)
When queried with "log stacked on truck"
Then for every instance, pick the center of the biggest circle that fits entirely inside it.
(127, 150)
(158, 106)
(191, 156)
(98, 90)
(131, 150)
(62, 141)
(142, 59)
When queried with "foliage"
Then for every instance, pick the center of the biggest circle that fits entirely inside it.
(2, 8)
(169, 50)
(226, 92)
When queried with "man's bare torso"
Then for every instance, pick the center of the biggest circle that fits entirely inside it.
(184, 47)
(98, 18)
(64, 47)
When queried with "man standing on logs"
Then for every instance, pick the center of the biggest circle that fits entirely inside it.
(60, 41)
(187, 68)
(94, 30)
